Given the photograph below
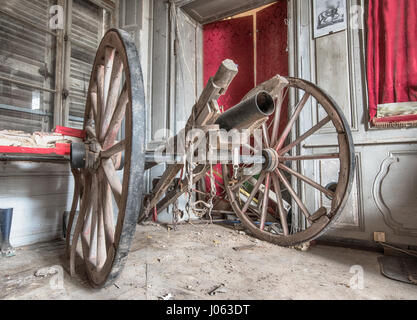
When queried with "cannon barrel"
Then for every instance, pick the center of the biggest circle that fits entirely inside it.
(246, 113)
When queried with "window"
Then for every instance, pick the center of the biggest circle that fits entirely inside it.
(27, 72)
(33, 95)
(89, 24)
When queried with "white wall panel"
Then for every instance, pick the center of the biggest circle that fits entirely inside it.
(39, 195)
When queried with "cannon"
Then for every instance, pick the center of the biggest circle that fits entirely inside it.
(262, 182)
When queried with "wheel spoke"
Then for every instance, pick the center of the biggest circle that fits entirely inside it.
(307, 180)
(100, 98)
(93, 102)
(310, 132)
(101, 239)
(113, 95)
(85, 206)
(281, 210)
(254, 211)
(89, 221)
(265, 135)
(108, 69)
(90, 132)
(248, 146)
(265, 201)
(294, 118)
(318, 214)
(293, 194)
(117, 119)
(108, 214)
(92, 253)
(310, 157)
(113, 179)
(93, 222)
(254, 191)
(117, 148)
(277, 119)
(77, 189)
(86, 229)
(241, 183)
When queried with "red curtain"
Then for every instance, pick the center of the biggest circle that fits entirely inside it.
(230, 39)
(392, 52)
(233, 39)
(271, 43)
(271, 48)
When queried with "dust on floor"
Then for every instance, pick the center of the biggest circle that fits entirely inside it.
(201, 262)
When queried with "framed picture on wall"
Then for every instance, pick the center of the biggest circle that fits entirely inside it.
(330, 16)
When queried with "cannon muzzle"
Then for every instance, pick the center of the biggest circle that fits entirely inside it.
(246, 113)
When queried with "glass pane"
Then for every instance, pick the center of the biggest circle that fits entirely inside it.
(24, 109)
(27, 56)
(89, 23)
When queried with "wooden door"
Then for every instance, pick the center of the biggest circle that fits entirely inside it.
(383, 194)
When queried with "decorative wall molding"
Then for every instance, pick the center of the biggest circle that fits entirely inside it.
(356, 209)
(396, 226)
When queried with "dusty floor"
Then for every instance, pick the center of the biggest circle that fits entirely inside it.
(195, 259)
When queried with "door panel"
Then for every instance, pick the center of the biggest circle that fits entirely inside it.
(383, 194)
(352, 217)
(332, 68)
(395, 189)
(176, 80)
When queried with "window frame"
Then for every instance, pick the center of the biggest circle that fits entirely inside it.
(59, 112)
(27, 84)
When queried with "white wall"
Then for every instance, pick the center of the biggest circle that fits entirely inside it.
(177, 78)
(39, 195)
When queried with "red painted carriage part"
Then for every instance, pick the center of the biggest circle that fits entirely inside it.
(71, 132)
(62, 149)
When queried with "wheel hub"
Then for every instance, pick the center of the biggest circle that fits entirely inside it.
(85, 155)
(271, 159)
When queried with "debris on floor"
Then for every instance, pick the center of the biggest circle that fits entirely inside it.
(303, 247)
(241, 248)
(44, 272)
(168, 296)
(190, 267)
(8, 253)
(218, 289)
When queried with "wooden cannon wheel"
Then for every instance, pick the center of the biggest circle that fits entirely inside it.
(110, 200)
(258, 200)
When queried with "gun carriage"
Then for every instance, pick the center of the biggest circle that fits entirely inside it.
(262, 184)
